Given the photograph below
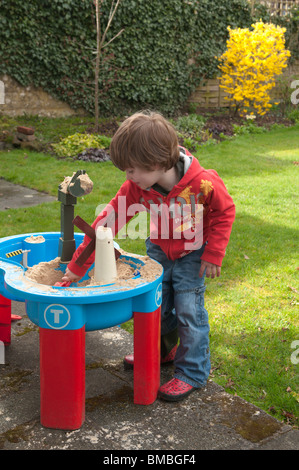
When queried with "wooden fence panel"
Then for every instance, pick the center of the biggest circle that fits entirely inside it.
(209, 95)
(278, 7)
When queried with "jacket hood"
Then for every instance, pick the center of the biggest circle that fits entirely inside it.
(190, 163)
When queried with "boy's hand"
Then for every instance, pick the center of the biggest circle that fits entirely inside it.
(211, 269)
(70, 277)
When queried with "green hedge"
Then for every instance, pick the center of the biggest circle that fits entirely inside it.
(167, 48)
(161, 41)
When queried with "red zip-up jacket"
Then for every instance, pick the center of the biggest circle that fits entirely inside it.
(198, 188)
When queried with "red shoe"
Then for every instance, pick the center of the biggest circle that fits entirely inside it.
(129, 360)
(175, 390)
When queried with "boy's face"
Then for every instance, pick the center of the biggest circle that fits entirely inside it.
(144, 178)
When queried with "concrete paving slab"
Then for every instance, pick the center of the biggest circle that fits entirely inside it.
(13, 196)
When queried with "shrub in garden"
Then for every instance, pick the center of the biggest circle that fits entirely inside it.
(190, 130)
(77, 143)
(293, 115)
(249, 66)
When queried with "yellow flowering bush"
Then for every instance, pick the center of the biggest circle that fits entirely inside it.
(249, 66)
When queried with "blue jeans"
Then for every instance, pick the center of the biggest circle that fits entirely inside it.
(183, 308)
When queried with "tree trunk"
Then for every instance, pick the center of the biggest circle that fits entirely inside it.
(97, 67)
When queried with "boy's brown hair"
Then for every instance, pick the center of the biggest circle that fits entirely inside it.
(144, 140)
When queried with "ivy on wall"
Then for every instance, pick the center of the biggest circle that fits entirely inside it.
(41, 43)
(167, 48)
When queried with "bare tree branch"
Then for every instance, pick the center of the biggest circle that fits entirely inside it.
(100, 45)
(111, 16)
(118, 34)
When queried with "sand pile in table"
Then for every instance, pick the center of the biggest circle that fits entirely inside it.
(48, 273)
(35, 239)
(45, 273)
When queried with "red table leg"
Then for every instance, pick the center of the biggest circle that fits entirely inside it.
(146, 356)
(62, 378)
(5, 320)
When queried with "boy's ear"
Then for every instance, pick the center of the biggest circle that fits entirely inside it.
(158, 167)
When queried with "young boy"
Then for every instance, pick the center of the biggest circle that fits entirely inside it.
(191, 220)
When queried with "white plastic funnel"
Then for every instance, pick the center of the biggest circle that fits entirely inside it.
(105, 264)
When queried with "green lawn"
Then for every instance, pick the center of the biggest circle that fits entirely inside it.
(253, 306)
